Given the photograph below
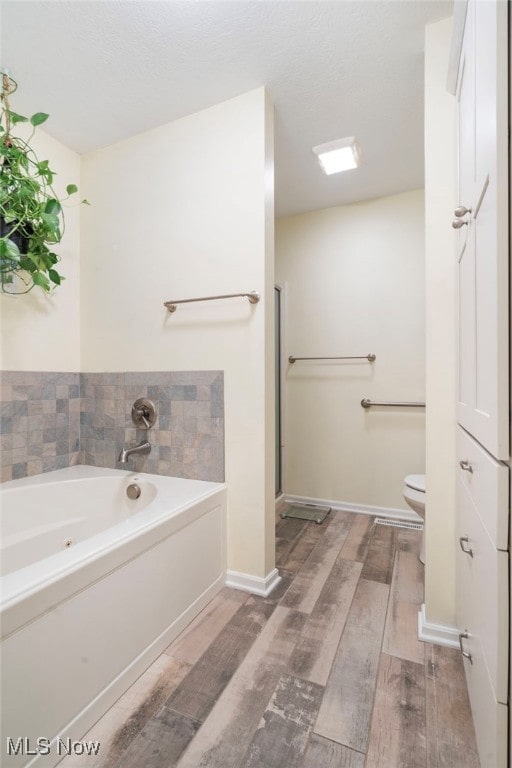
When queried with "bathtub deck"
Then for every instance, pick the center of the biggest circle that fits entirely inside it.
(325, 673)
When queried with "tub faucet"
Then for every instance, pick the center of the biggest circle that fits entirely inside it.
(144, 447)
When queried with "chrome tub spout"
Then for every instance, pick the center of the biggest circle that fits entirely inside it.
(125, 454)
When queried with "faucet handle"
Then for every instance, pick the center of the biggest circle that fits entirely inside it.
(143, 413)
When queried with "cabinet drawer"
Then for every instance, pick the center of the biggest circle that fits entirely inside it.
(490, 718)
(482, 594)
(487, 484)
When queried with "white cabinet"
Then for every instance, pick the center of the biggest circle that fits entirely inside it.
(482, 95)
(486, 481)
(482, 615)
(482, 606)
(483, 448)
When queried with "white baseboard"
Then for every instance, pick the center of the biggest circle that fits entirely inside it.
(439, 634)
(280, 500)
(363, 509)
(254, 584)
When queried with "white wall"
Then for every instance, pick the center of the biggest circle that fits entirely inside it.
(181, 211)
(440, 328)
(41, 332)
(354, 278)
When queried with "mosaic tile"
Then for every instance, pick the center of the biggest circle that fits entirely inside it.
(19, 423)
(34, 467)
(19, 455)
(165, 438)
(6, 442)
(51, 420)
(49, 391)
(203, 392)
(49, 406)
(20, 392)
(5, 392)
(5, 424)
(6, 473)
(50, 435)
(19, 470)
(165, 422)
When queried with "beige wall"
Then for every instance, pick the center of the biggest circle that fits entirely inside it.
(269, 355)
(440, 327)
(181, 211)
(354, 284)
(40, 332)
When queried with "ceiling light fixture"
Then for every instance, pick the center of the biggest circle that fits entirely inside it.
(339, 155)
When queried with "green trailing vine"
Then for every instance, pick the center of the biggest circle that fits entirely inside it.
(31, 215)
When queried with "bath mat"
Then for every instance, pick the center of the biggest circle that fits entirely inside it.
(307, 512)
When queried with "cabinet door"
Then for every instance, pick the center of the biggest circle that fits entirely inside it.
(482, 94)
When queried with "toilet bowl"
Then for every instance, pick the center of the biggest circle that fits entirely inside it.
(414, 494)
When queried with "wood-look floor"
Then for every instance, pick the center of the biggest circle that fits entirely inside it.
(327, 672)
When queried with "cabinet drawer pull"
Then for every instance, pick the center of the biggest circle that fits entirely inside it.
(464, 464)
(464, 540)
(463, 636)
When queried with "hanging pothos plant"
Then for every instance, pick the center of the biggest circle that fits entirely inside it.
(31, 215)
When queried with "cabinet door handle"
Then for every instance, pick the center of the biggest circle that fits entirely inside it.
(461, 211)
(465, 465)
(465, 540)
(463, 636)
(458, 223)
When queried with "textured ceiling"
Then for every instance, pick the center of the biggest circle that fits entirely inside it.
(107, 70)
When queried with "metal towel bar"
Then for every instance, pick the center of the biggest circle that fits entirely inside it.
(371, 357)
(253, 297)
(367, 403)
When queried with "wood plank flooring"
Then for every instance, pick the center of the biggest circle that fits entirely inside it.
(327, 672)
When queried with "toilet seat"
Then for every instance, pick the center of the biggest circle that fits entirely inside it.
(414, 493)
(416, 482)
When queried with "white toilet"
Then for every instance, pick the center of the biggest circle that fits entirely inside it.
(414, 494)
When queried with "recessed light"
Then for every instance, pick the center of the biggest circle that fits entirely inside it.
(339, 155)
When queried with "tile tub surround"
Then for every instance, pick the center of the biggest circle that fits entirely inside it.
(40, 422)
(188, 437)
(54, 420)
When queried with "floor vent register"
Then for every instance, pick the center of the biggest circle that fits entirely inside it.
(399, 524)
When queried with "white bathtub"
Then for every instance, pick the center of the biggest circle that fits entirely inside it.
(94, 586)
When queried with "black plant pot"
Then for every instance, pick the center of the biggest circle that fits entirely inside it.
(19, 237)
